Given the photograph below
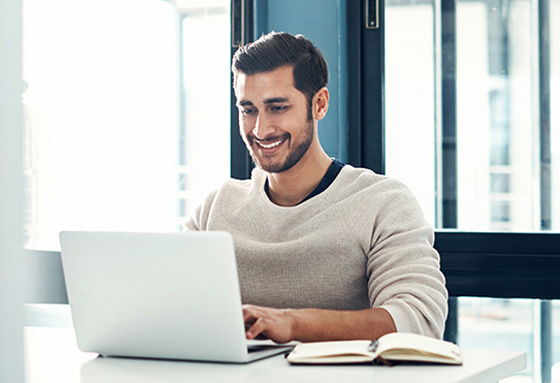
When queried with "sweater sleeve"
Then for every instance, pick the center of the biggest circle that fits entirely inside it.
(403, 267)
(199, 219)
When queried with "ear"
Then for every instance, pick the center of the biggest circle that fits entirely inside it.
(320, 104)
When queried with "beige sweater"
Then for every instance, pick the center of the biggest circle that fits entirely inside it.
(363, 242)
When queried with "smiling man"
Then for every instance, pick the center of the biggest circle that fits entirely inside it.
(279, 127)
(325, 251)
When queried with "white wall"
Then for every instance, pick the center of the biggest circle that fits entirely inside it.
(11, 348)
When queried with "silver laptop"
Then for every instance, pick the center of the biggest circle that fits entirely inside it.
(155, 295)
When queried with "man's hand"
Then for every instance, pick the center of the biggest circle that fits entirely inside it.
(275, 324)
(312, 325)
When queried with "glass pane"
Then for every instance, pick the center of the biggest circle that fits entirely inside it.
(496, 131)
(499, 134)
(204, 155)
(105, 144)
(410, 102)
(554, 109)
(501, 324)
(511, 324)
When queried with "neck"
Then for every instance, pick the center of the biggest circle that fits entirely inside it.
(290, 187)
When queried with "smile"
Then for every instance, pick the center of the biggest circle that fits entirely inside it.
(271, 145)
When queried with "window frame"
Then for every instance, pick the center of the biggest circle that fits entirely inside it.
(244, 15)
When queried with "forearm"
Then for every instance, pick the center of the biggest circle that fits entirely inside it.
(308, 325)
(321, 325)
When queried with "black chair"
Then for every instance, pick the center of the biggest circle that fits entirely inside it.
(502, 265)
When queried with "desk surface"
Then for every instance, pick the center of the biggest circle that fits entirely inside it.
(51, 355)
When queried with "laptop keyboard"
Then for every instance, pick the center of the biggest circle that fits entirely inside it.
(255, 346)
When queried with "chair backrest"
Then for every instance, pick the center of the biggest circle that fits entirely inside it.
(500, 265)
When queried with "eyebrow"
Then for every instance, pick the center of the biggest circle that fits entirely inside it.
(244, 103)
(273, 100)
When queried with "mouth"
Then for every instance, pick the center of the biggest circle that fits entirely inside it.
(272, 144)
(269, 145)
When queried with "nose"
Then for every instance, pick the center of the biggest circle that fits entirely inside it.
(263, 127)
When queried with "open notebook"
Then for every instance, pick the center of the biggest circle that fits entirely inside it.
(389, 349)
(156, 295)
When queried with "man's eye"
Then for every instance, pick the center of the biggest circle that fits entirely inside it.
(248, 111)
(279, 108)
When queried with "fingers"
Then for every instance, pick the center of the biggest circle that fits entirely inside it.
(256, 329)
(248, 312)
(252, 317)
(268, 322)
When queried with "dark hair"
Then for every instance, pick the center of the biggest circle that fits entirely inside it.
(273, 50)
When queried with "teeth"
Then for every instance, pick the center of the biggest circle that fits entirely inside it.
(270, 145)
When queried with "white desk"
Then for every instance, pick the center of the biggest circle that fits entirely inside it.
(52, 356)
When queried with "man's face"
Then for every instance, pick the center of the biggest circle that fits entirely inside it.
(273, 119)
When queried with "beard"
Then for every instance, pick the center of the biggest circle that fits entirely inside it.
(294, 155)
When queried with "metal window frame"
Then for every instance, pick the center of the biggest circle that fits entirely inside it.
(241, 164)
(365, 127)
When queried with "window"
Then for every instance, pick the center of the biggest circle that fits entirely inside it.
(116, 118)
(497, 111)
(204, 150)
(478, 142)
